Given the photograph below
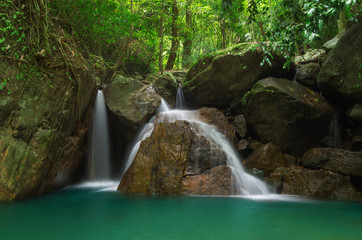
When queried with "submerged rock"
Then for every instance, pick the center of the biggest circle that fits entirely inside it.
(339, 160)
(340, 75)
(219, 78)
(287, 114)
(315, 183)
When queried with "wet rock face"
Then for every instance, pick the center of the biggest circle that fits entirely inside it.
(343, 161)
(177, 160)
(315, 183)
(167, 157)
(132, 102)
(266, 158)
(42, 131)
(214, 117)
(215, 181)
(287, 114)
(340, 74)
(166, 86)
(218, 79)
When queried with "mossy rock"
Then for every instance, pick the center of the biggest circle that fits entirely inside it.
(341, 74)
(217, 79)
(286, 114)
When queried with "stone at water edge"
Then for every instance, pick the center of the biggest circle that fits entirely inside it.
(341, 74)
(320, 184)
(287, 114)
(175, 160)
(343, 161)
(219, 78)
(215, 181)
(266, 158)
(42, 137)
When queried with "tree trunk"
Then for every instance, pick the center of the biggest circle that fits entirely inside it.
(175, 40)
(186, 54)
(342, 22)
(223, 30)
(40, 14)
(262, 30)
(160, 35)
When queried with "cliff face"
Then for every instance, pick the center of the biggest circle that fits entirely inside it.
(45, 105)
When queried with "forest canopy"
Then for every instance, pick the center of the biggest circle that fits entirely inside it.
(149, 36)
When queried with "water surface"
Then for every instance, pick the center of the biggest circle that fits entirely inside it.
(102, 213)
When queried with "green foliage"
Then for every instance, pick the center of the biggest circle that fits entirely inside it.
(128, 30)
(12, 32)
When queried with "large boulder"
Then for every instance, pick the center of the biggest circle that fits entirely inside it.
(215, 181)
(339, 160)
(43, 126)
(219, 78)
(164, 160)
(340, 75)
(132, 102)
(266, 158)
(179, 159)
(307, 74)
(287, 114)
(315, 183)
(166, 86)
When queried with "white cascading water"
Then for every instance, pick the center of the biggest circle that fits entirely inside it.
(180, 99)
(243, 183)
(98, 155)
(144, 133)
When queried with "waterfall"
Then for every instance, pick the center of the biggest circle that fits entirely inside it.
(242, 182)
(98, 153)
(335, 131)
(163, 106)
(142, 134)
(180, 99)
(295, 76)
